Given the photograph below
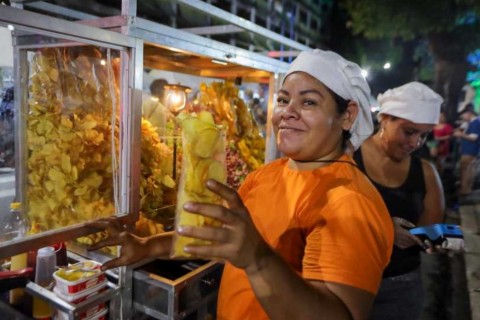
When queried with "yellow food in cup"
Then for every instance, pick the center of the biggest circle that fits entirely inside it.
(203, 159)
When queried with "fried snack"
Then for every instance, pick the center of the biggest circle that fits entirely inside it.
(145, 227)
(242, 131)
(70, 137)
(156, 182)
(203, 159)
(72, 127)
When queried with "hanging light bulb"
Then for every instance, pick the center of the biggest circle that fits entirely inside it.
(176, 97)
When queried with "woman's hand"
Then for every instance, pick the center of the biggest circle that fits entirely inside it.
(403, 238)
(237, 241)
(133, 247)
(433, 249)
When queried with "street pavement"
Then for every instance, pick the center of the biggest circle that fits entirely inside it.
(445, 283)
(470, 221)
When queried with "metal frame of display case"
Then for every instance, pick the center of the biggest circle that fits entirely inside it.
(131, 32)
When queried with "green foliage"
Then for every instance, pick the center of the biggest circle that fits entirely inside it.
(405, 18)
(452, 27)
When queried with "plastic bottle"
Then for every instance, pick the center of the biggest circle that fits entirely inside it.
(16, 226)
(44, 269)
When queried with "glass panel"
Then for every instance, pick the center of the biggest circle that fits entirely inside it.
(69, 129)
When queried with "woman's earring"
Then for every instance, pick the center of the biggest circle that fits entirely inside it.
(382, 130)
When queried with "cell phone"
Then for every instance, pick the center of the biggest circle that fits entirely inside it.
(448, 236)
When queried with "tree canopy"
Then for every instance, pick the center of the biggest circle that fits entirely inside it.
(452, 26)
(449, 28)
(408, 18)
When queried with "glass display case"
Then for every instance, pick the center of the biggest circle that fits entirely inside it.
(74, 123)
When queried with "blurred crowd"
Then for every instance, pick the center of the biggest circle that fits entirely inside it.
(454, 149)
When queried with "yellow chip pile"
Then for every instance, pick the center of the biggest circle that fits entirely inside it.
(222, 99)
(69, 137)
(72, 95)
(156, 173)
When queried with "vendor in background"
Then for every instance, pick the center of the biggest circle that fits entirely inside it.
(410, 187)
(469, 149)
(153, 108)
(317, 248)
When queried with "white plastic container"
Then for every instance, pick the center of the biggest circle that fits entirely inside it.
(82, 282)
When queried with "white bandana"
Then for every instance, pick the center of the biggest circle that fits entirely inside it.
(345, 79)
(413, 101)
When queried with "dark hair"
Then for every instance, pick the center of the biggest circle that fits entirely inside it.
(156, 87)
(342, 106)
(469, 107)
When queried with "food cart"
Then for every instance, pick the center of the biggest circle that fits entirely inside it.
(80, 137)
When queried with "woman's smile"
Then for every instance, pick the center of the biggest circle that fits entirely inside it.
(288, 128)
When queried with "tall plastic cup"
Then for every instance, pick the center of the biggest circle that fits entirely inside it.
(45, 267)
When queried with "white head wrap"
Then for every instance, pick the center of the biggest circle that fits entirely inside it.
(413, 101)
(345, 79)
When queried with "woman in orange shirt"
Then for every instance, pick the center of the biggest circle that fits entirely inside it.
(307, 236)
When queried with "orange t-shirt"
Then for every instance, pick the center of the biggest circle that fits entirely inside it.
(329, 224)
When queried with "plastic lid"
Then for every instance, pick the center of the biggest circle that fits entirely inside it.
(45, 252)
(15, 205)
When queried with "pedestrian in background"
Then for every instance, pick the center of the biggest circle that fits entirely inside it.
(469, 150)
